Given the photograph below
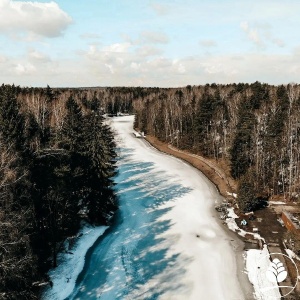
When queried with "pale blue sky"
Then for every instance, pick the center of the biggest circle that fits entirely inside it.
(148, 43)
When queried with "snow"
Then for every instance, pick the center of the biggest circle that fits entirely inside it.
(231, 213)
(257, 264)
(276, 202)
(291, 254)
(232, 194)
(70, 265)
(231, 224)
(249, 213)
(204, 247)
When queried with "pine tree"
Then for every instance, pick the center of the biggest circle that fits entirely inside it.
(241, 158)
(247, 198)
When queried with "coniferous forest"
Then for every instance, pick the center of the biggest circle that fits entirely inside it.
(57, 157)
(57, 162)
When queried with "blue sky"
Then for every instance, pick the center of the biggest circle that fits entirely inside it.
(148, 43)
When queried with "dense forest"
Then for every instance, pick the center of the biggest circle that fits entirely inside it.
(57, 162)
(254, 129)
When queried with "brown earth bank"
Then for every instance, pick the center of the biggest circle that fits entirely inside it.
(215, 173)
(266, 220)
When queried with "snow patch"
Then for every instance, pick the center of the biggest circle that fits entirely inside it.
(70, 265)
(257, 264)
(291, 254)
(232, 194)
(231, 213)
(276, 202)
(231, 224)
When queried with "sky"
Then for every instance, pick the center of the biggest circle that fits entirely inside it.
(165, 43)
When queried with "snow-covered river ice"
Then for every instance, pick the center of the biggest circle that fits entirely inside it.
(165, 242)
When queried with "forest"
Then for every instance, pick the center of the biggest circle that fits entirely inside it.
(58, 158)
(251, 129)
(57, 162)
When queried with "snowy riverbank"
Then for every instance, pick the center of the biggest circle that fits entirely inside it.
(70, 265)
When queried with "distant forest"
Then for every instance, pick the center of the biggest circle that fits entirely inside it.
(57, 158)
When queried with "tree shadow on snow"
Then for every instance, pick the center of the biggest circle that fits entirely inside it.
(132, 259)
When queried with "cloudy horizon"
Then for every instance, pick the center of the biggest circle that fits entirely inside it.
(148, 43)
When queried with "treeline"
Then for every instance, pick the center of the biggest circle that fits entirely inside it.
(253, 128)
(108, 100)
(57, 162)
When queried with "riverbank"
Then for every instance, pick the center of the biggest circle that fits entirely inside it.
(227, 188)
(226, 185)
(70, 263)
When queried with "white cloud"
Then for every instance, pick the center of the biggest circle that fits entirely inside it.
(278, 42)
(152, 37)
(261, 35)
(160, 9)
(123, 64)
(33, 18)
(24, 69)
(146, 51)
(208, 43)
(252, 34)
(137, 69)
(117, 48)
(37, 56)
(90, 36)
(110, 68)
(3, 59)
(135, 66)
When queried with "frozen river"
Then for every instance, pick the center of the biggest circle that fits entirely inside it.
(166, 242)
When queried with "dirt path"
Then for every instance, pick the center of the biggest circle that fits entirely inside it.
(211, 170)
